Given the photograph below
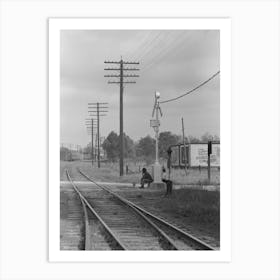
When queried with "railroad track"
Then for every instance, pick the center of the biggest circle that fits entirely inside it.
(72, 222)
(165, 235)
(97, 235)
(126, 227)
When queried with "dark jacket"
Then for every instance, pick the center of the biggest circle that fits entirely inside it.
(147, 176)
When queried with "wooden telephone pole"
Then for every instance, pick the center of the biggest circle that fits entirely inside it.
(121, 82)
(185, 147)
(98, 110)
(90, 123)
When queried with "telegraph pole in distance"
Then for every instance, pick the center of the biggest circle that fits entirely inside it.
(96, 140)
(95, 109)
(121, 82)
(90, 126)
(92, 142)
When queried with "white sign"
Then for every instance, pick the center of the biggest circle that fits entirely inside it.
(154, 123)
(199, 155)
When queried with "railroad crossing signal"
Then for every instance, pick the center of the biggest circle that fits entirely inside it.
(155, 124)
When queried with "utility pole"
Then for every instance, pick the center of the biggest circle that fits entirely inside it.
(121, 82)
(95, 109)
(96, 140)
(98, 136)
(92, 142)
(91, 126)
(184, 143)
(209, 161)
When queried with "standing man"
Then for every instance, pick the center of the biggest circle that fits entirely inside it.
(168, 183)
(146, 178)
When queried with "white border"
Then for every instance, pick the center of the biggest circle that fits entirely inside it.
(55, 25)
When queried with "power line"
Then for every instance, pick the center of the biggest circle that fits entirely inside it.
(144, 41)
(171, 46)
(197, 87)
(150, 45)
(133, 53)
(163, 45)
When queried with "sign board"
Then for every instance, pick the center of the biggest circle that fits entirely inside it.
(184, 156)
(198, 155)
(154, 123)
(175, 155)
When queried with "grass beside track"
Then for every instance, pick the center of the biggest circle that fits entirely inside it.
(198, 211)
(109, 172)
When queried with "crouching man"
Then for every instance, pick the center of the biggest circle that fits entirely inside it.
(146, 178)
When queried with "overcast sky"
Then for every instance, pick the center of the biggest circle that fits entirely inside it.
(171, 62)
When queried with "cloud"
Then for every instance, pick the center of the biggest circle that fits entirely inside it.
(172, 62)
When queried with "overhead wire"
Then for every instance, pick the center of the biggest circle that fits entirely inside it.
(174, 43)
(192, 90)
(156, 44)
(149, 45)
(131, 53)
(145, 44)
(154, 54)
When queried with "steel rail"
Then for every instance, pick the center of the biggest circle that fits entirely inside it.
(86, 203)
(199, 243)
(169, 241)
(189, 236)
(87, 230)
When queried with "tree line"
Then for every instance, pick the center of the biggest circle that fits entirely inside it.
(144, 149)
